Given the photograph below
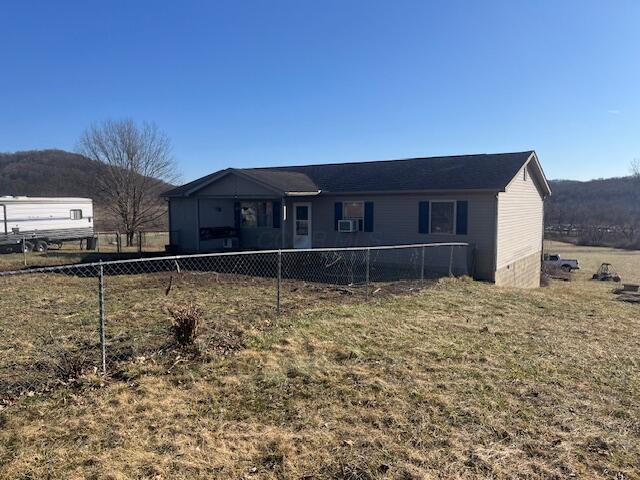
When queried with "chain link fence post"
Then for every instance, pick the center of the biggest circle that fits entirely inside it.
(367, 274)
(24, 251)
(422, 267)
(279, 281)
(103, 347)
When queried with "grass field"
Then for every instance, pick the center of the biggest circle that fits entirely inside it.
(626, 262)
(153, 242)
(457, 380)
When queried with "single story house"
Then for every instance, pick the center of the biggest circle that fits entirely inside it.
(493, 201)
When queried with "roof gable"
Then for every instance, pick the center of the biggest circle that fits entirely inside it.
(284, 180)
(535, 170)
(234, 183)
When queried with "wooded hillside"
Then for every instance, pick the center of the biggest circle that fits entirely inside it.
(600, 212)
(56, 173)
(47, 173)
(603, 201)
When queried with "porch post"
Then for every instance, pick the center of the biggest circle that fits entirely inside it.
(283, 218)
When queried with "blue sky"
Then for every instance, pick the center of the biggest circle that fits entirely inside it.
(257, 83)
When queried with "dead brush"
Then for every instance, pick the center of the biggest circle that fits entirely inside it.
(552, 272)
(69, 362)
(186, 322)
(72, 364)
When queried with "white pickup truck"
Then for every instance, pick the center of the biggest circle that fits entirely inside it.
(555, 260)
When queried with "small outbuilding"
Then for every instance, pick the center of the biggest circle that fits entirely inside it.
(493, 201)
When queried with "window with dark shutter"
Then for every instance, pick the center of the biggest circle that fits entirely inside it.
(237, 214)
(462, 208)
(337, 214)
(423, 217)
(277, 214)
(368, 216)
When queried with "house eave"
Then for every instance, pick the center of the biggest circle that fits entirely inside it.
(406, 192)
(303, 194)
(325, 193)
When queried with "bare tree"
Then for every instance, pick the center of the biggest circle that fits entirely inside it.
(137, 162)
(635, 168)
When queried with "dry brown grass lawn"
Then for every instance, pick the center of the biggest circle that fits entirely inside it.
(626, 262)
(459, 380)
(70, 253)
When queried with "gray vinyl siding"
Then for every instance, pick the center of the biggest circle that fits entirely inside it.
(184, 223)
(395, 222)
(520, 220)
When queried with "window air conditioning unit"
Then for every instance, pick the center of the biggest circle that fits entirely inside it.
(347, 225)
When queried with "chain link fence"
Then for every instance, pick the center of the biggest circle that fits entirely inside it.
(138, 242)
(114, 245)
(61, 323)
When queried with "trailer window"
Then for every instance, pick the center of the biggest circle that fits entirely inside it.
(76, 214)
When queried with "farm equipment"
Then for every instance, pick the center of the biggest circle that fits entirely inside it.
(606, 273)
(628, 293)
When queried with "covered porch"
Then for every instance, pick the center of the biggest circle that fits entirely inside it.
(235, 212)
(251, 224)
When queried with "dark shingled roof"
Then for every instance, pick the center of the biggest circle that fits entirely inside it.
(464, 172)
(281, 179)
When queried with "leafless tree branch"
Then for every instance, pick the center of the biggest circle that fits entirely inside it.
(137, 160)
(635, 168)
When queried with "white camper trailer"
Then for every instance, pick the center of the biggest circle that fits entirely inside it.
(37, 222)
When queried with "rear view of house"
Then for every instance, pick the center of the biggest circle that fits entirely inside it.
(494, 202)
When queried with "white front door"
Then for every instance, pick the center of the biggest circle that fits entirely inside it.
(301, 225)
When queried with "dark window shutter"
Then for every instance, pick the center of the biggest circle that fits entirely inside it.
(276, 212)
(368, 216)
(236, 214)
(423, 217)
(462, 210)
(337, 213)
